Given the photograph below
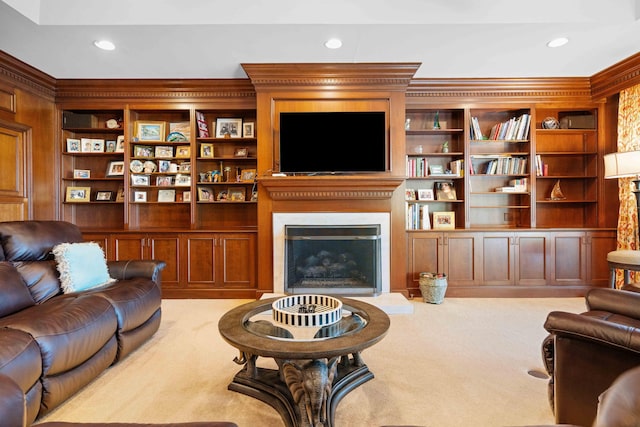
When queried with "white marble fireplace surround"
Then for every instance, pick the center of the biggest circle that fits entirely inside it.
(281, 219)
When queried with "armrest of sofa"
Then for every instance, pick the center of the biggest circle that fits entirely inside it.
(13, 411)
(605, 330)
(625, 303)
(123, 270)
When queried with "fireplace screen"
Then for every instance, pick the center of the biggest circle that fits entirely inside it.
(332, 259)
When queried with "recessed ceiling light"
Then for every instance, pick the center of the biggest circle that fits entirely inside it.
(560, 41)
(333, 43)
(104, 44)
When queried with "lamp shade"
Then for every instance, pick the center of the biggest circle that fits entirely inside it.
(622, 165)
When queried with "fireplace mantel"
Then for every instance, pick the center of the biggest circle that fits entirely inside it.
(330, 187)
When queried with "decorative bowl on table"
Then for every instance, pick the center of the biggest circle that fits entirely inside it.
(307, 310)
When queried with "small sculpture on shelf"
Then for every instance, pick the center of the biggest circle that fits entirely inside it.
(556, 192)
(445, 147)
(436, 120)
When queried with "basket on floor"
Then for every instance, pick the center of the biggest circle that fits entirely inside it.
(433, 287)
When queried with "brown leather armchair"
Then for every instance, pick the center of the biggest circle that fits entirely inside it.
(585, 353)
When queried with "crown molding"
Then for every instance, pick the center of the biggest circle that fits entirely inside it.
(616, 78)
(21, 75)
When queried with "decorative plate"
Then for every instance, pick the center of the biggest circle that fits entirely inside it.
(149, 166)
(176, 137)
(550, 123)
(136, 166)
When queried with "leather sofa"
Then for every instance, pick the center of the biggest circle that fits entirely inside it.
(54, 343)
(585, 353)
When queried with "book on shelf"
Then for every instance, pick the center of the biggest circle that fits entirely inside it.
(417, 167)
(516, 128)
(203, 128)
(457, 167)
(418, 217)
(500, 165)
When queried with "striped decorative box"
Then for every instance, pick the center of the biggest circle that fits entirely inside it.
(307, 310)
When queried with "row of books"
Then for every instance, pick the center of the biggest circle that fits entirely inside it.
(542, 169)
(418, 167)
(503, 165)
(516, 128)
(418, 217)
(519, 185)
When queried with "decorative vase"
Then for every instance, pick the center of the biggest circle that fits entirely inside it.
(436, 120)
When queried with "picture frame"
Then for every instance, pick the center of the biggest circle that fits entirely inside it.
(445, 190)
(86, 145)
(205, 194)
(120, 144)
(120, 195)
(248, 130)
(73, 145)
(166, 196)
(183, 151)
(115, 168)
(78, 194)
(186, 196)
(140, 196)
(164, 181)
(140, 180)
(163, 151)
(436, 170)
(163, 166)
(143, 151)
(206, 151)
(182, 180)
(81, 174)
(184, 167)
(444, 220)
(149, 130)
(223, 196)
(236, 194)
(410, 194)
(110, 146)
(425, 194)
(97, 145)
(104, 196)
(228, 128)
(241, 152)
(248, 175)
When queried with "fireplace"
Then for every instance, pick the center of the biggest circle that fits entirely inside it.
(331, 253)
(332, 259)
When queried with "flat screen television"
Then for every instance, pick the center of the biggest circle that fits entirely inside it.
(333, 142)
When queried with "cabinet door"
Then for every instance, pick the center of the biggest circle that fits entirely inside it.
(463, 258)
(532, 258)
(201, 253)
(166, 248)
(498, 259)
(600, 244)
(569, 255)
(238, 260)
(129, 246)
(425, 255)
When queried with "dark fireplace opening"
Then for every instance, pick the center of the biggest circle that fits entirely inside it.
(333, 259)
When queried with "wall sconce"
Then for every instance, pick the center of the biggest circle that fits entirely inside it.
(624, 165)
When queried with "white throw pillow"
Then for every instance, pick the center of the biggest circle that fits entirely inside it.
(82, 266)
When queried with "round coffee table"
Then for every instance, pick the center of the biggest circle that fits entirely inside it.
(316, 367)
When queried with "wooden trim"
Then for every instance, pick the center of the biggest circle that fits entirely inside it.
(330, 187)
(26, 77)
(614, 79)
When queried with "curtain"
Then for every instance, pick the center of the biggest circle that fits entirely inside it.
(628, 140)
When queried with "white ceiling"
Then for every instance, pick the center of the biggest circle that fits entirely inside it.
(212, 38)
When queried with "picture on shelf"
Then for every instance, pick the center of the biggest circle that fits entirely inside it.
(425, 194)
(73, 145)
(81, 174)
(120, 144)
(97, 145)
(140, 180)
(203, 130)
(241, 152)
(163, 165)
(183, 180)
(248, 175)
(237, 194)
(104, 196)
(444, 220)
(222, 196)
(445, 190)
(164, 151)
(184, 167)
(140, 196)
(78, 194)
(165, 196)
(205, 194)
(142, 151)
(183, 151)
(120, 195)
(164, 181)
(183, 128)
(229, 128)
(248, 130)
(409, 194)
(206, 150)
(186, 196)
(110, 146)
(115, 168)
(436, 169)
(149, 131)
(86, 145)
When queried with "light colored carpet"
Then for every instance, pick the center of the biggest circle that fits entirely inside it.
(461, 363)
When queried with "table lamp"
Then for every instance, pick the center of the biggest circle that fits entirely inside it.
(623, 165)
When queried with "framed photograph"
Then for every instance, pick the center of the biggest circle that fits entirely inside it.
(206, 150)
(425, 194)
(236, 194)
(140, 180)
(115, 168)
(248, 175)
(409, 194)
(205, 194)
(142, 151)
(104, 196)
(445, 190)
(139, 196)
(97, 145)
(81, 174)
(248, 130)
(149, 131)
(120, 144)
(186, 196)
(184, 167)
(120, 195)
(164, 151)
(183, 151)
(163, 165)
(444, 220)
(110, 147)
(73, 145)
(436, 169)
(229, 128)
(223, 196)
(164, 181)
(78, 194)
(241, 152)
(86, 145)
(183, 180)
(165, 196)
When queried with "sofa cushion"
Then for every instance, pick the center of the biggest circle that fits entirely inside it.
(34, 240)
(82, 266)
(14, 291)
(41, 277)
(20, 358)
